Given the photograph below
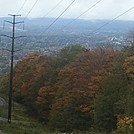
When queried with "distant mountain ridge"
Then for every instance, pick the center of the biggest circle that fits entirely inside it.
(72, 24)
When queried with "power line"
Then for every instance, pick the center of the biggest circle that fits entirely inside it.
(31, 9)
(22, 6)
(84, 12)
(113, 20)
(59, 15)
(53, 8)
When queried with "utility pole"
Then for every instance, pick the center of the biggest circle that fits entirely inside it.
(12, 60)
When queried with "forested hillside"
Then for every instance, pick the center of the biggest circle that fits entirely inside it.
(79, 89)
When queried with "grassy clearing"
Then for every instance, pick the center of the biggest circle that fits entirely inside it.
(3, 111)
(21, 122)
(21, 128)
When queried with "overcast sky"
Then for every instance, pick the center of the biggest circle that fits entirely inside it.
(106, 9)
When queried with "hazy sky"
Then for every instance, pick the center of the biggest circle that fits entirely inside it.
(106, 9)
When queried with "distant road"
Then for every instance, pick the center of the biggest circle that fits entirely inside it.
(1, 132)
(2, 102)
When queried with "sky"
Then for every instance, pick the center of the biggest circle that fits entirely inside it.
(105, 9)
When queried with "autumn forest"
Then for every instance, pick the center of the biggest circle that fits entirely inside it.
(78, 89)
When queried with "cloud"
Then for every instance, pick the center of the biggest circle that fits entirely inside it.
(106, 9)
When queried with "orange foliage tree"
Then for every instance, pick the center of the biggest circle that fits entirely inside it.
(29, 76)
(79, 81)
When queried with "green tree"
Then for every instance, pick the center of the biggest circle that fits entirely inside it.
(113, 89)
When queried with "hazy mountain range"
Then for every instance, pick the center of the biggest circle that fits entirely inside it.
(72, 24)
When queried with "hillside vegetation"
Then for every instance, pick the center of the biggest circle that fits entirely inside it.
(78, 89)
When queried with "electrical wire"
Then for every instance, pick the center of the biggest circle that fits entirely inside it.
(31, 9)
(53, 8)
(84, 12)
(22, 6)
(60, 15)
(112, 20)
